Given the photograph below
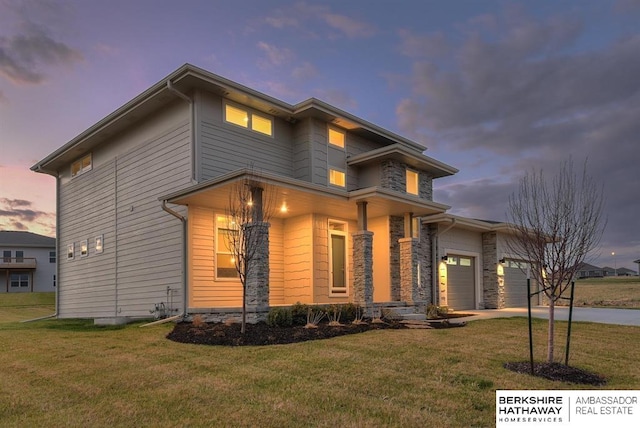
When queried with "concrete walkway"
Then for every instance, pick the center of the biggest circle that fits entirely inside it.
(597, 315)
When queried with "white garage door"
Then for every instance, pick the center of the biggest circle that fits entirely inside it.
(461, 282)
(515, 283)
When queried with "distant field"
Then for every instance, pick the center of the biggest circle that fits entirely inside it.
(620, 292)
(23, 306)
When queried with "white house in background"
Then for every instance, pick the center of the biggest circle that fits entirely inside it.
(142, 197)
(28, 262)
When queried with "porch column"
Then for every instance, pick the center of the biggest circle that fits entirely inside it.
(493, 285)
(363, 268)
(257, 281)
(410, 287)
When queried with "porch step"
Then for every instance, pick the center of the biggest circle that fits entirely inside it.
(416, 324)
(403, 313)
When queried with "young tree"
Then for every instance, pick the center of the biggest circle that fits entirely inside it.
(557, 221)
(247, 215)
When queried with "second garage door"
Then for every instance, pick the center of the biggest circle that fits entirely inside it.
(461, 282)
(515, 284)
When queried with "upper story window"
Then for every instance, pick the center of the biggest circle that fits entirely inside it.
(336, 138)
(6, 256)
(99, 244)
(82, 165)
(248, 119)
(412, 182)
(19, 256)
(337, 178)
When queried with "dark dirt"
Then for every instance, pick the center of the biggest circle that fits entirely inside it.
(261, 334)
(557, 372)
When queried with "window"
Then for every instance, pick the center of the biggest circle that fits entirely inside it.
(226, 229)
(248, 119)
(81, 165)
(19, 256)
(54, 280)
(336, 137)
(6, 256)
(71, 249)
(52, 256)
(465, 261)
(19, 280)
(412, 182)
(99, 244)
(337, 178)
(84, 248)
(338, 257)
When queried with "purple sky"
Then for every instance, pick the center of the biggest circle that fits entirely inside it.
(494, 88)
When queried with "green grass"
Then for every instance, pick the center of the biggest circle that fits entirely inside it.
(70, 373)
(24, 306)
(620, 292)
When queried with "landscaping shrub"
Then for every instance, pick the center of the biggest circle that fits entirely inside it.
(280, 317)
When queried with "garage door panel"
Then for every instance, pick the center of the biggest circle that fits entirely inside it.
(515, 284)
(461, 282)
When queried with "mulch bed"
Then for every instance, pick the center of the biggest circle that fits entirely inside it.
(557, 372)
(261, 334)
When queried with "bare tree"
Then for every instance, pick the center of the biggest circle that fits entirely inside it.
(557, 221)
(250, 207)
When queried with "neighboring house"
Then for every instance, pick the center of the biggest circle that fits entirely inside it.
(28, 262)
(625, 272)
(143, 193)
(590, 271)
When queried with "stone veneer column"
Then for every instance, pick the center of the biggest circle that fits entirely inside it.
(257, 281)
(493, 286)
(363, 268)
(410, 288)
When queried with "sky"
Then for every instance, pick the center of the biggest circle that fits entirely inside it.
(494, 88)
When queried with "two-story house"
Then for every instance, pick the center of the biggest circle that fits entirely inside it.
(28, 262)
(143, 198)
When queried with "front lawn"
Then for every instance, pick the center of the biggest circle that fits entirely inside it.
(70, 373)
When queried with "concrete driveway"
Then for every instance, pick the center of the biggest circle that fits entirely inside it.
(597, 315)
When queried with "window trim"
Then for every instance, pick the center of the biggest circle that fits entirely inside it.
(99, 244)
(216, 251)
(344, 176)
(82, 169)
(250, 113)
(409, 171)
(21, 276)
(344, 292)
(339, 132)
(84, 248)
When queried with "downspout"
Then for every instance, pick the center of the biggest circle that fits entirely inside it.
(192, 127)
(184, 256)
(57, 304)
(435, 271)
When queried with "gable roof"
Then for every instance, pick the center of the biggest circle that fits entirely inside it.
(25, 239)
(189, 78)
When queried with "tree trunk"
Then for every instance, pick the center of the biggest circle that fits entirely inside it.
(244, 309)
(550, 339)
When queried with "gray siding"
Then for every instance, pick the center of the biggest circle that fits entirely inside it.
(142, 244)
(224, 147)
(302, 159)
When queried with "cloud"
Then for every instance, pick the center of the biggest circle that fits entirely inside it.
(528, 92)
(306, 17)
(19, 214)
(275, 56)
(305, 72)
(25, 54)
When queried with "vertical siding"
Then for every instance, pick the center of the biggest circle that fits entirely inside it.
(224, 147)
(298, 251)
(87, 285)
(302, 161)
